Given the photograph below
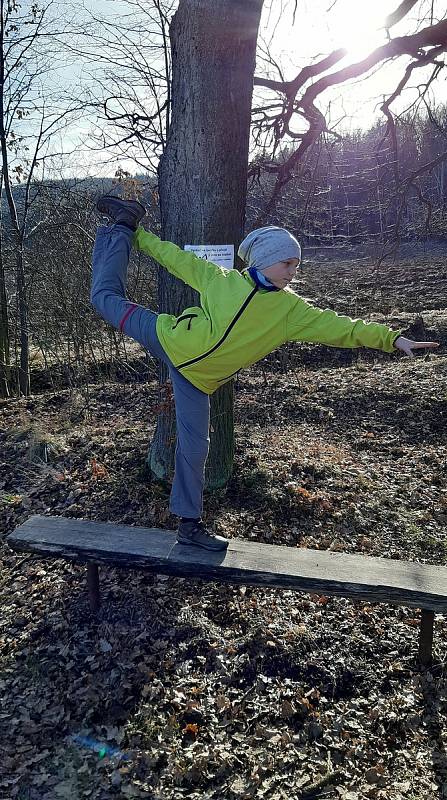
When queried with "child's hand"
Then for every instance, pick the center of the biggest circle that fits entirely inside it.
(407, 345)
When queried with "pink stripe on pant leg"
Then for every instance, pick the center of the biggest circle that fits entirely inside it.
(127, 314)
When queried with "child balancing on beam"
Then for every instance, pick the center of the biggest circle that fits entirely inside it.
(242, 317)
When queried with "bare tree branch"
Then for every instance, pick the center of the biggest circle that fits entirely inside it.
(290, 88)
(400, 12)
(434, 37)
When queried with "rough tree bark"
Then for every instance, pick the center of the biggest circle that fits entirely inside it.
(203, 178)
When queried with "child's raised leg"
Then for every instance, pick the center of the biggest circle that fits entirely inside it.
(108, 294)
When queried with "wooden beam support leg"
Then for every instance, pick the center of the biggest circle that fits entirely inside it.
(426, 636)
(93, 587)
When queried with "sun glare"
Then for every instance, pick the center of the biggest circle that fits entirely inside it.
(325, 25)
(304, 33)
(358, 27)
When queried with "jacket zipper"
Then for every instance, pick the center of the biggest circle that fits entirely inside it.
(222, 339)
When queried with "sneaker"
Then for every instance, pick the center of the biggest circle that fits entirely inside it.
(129, 212)
(195, 533)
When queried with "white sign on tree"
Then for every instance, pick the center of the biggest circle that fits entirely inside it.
(220, 254)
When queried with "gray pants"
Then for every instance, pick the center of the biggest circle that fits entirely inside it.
(192, 407)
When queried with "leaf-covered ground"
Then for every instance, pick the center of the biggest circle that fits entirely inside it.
(187, 689)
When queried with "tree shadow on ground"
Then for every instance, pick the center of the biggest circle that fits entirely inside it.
(92, 666)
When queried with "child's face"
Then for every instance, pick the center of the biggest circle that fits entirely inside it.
(282, 273)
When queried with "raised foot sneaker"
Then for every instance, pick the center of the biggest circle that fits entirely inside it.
(127, 212)
(195, 533)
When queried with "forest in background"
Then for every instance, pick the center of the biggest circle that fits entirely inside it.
(342, 196)
(84, 86)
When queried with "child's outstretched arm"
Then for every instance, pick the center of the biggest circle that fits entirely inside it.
(195, 271)
(306, 323)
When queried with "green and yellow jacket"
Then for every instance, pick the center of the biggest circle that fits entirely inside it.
(238, 322)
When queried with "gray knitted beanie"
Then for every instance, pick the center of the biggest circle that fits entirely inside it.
(265, 246)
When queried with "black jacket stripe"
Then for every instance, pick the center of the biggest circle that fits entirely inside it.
(222, 339)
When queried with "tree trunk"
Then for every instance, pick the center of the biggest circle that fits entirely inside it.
(5, 370)
(24, 373)
(203, 178)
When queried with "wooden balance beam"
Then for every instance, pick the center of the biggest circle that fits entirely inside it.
(243, 563)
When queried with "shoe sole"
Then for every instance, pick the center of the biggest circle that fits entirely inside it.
(188, 542)
(137, 209)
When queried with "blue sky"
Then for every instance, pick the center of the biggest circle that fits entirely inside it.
(319, 26)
